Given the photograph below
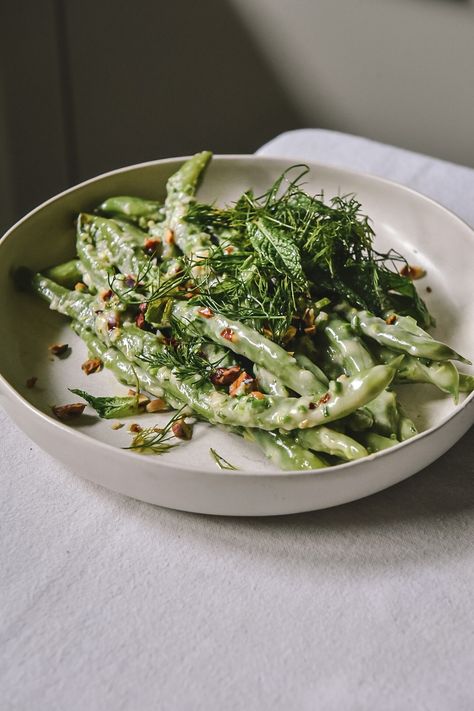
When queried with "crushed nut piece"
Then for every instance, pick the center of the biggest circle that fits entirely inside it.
(225, 376)
(243, 385)
(229, 335)
(182, 429)
(324, 399)
(140, 320)
(229, 249)
(92, 365)
(310, 330)
(412, 272)
(59, 349)
(152, 246)
(113, 321)
(267, 333)
(157, 405)
(169, 236)
(135, 427)
(80, 286)
(309, 316)
(31, 382)
(289, 335)
(117, 425)
(257, 395)
(68, 412)
(391, 319)
(206, 312)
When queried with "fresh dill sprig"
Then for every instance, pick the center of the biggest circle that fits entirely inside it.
(184, 355)
(144, 289)
(220, 461)
(156, 439)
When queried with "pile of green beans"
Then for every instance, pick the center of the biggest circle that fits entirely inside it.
(319, 400)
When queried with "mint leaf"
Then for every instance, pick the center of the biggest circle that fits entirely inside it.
(277, 248)
(110, 407)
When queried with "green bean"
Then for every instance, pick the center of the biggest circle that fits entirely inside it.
(376, 442)
(326, 440)
(306, 354)
(354, 358)
(250, 343)
(269, 383)
(406, 427)
(116, 243)
(443, 374)
(399, 339)
(308, 364)
(466, 383)
(283, 451)
(132, 208)
(115, 361)
(181, 188)
(66, 274)
(74, 304)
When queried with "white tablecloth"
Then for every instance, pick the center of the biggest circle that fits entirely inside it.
(109, 603)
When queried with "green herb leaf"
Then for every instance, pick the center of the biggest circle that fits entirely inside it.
(278, 249)
(110, 407)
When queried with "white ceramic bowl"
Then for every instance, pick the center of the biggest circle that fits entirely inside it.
(187, 478)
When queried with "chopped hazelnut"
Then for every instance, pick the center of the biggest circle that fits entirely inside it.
(289, 335)
(59, 349)
(206, 312)
(80, 286)
(310, 330)
(169, 236)
(140, 320)
(92, 365)
(135, 428)
(225, 376)
(391, 319)
(152, 246)
(182, 429)
(324, 399)
(257, 395)
(113, 321)
(117, 425)
(243, 385)
(229, 335)
(309, 316)
(68, 412)
(157, 405)
(412, 272)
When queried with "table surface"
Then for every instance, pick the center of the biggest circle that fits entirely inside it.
(110, 603)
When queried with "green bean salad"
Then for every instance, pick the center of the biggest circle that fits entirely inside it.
(273, 317)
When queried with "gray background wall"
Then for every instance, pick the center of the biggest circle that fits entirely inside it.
(90, 85)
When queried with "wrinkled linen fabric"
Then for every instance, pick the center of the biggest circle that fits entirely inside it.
(110, 603)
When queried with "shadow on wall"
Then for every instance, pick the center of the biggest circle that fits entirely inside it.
(94, 86)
